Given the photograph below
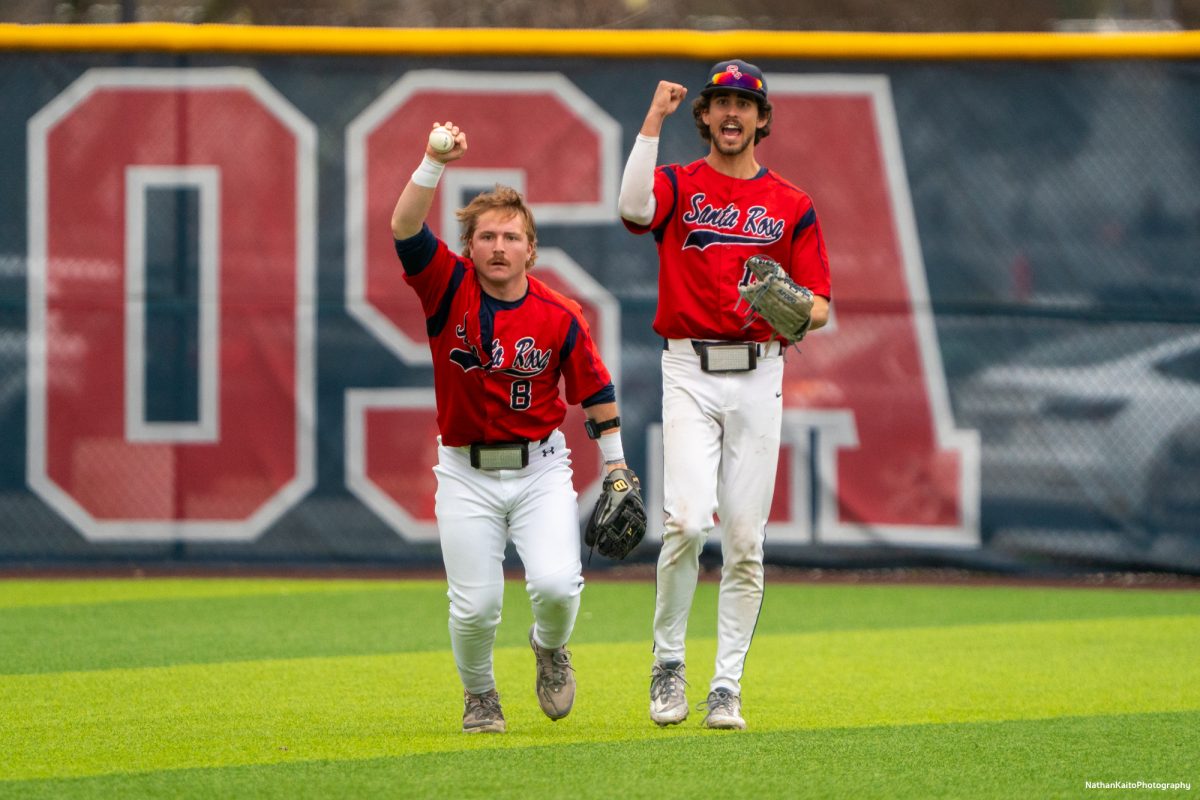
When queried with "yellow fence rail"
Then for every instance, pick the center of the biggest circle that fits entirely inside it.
(816, 45)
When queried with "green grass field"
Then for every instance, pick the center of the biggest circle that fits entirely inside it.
(340, 688)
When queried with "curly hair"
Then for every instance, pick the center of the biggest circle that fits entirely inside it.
(701, 104)
(500, 198)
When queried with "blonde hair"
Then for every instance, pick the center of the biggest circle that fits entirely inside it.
(500, 198)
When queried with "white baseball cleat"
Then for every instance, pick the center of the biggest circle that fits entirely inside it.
(668, 700)
(481, 712)
(724, 710)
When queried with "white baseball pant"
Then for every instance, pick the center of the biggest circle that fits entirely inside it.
(477, 511)
(721, 435)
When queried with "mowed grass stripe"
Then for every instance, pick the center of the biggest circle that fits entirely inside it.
(119, 624)
(1036, 758)
(20, 593)
(352, 708)
(166, 632)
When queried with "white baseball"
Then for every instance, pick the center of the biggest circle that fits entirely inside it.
(441, 140)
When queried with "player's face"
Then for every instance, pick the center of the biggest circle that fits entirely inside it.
(500, 249)
(732, 120)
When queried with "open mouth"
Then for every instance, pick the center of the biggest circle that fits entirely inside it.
(731, 130)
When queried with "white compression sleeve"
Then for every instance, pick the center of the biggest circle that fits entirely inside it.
(611, 448)
(428, 173)
(636, 202)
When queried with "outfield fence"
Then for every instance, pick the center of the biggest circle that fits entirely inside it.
(206, 352)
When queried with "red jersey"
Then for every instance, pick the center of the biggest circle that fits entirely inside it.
(497, 364)
(706, 225)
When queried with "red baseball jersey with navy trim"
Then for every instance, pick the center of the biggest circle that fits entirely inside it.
(497, 364)
(706, 225)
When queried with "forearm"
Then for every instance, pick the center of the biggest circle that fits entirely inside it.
(601, 412)
(636, 202)
(661, 107)
(820, 312)
(416, 199)
(610, 439)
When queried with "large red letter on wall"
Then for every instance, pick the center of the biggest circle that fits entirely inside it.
(892, 466)
(249, 155)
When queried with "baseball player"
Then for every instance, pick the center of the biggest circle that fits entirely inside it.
(722, 380)
(501, 341)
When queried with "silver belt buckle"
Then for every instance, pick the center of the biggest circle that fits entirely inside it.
(727, 356)
(510, 455)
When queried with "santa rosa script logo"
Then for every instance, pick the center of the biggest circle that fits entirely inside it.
(729, 225)
(528, 359)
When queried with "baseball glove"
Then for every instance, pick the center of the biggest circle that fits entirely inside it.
(618, 521)
(774, 296)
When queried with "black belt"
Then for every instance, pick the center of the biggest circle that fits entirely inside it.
(727, 356)
(502, 455)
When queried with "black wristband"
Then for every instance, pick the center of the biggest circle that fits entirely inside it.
(594, 429)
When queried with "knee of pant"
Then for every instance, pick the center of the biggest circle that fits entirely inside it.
(685, 536)
(559, 588)
(690, 519)
(476, 610)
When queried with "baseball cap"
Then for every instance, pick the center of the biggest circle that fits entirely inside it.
(736, 76)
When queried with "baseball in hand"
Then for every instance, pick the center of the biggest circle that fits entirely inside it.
(441, 140)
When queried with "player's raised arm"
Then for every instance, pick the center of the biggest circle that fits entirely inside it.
(667, 97)
(636, 202)
(417, 198)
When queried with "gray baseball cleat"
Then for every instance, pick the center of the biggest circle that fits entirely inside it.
(668, 700)
(555, 684)
(724, 710)
(481, 712)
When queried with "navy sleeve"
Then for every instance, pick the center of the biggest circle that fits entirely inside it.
(606, 395)
(416, 251)
(660, 231)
